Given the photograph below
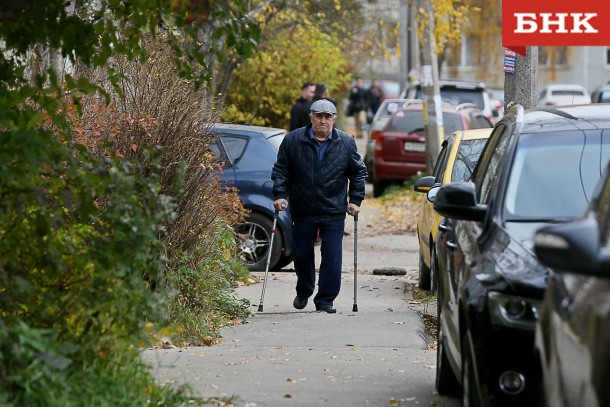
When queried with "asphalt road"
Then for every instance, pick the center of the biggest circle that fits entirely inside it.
(379, 355)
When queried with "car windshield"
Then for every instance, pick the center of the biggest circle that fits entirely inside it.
(466, 159)
(457, 96)
(553, 175)
(412, 121)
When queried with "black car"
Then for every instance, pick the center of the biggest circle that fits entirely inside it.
(573, 330)
(248, 154)
(538, 167)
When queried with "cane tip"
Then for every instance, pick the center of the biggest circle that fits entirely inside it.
(260, 308)
(355, 308)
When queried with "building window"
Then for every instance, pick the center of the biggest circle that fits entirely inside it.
(552, 56)
(607, 58)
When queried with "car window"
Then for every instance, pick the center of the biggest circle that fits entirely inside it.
(441, 163)
(234, 146)
(452, 122)
(567, 92)
(276, 140)
(406, 122)
(491, 158)
(554, 175)
(478, 121)
(219, 152)
(468, 155)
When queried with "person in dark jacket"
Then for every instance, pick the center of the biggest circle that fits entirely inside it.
(301, 106)
(318, 175)
(320, 92)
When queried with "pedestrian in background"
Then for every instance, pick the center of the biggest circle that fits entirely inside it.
(358, 106)
(301, 105)
(375, 96)
(318, 175)
(320, 93)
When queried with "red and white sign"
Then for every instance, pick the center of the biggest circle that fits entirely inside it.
(554, 23)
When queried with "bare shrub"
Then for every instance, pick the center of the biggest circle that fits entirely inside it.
(171, 115)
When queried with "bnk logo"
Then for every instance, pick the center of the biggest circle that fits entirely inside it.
(554, 23)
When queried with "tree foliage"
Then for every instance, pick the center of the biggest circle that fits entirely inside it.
(300, 41)
(85, 214)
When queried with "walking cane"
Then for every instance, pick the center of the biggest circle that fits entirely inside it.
(275, 216)
(350, 210)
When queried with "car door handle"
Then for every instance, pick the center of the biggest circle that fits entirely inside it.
(443, 228)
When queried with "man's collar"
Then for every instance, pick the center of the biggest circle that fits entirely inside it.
(312, 136)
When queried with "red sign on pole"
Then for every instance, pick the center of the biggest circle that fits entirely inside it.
(554, 23)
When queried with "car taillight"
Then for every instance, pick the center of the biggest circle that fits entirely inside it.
(377, 138)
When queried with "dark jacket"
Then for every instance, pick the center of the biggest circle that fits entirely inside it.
(318, 190)
(299, 108)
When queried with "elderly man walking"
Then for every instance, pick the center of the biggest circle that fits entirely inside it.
(317, 176)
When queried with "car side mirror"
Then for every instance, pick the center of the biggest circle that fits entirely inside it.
(458, 200)
(424, 184)
(573, 246)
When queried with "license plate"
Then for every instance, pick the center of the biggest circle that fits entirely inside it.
(412, 146)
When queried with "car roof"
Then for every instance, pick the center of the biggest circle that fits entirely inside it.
(565, 86)
(475, 134)
(249, 129)
(561, 118)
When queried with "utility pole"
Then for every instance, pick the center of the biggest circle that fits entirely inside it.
(521, 83)
(432, 109)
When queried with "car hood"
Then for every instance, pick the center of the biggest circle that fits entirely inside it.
(515, 260)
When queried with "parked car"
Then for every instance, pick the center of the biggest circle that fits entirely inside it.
(601, 94)
(459, 155)
(538, 167)
(400, 148)
(383, 114)
(496, 96)
(456, 92)
(391, 89)
(563, 94)
(248, 154)
(573, 330)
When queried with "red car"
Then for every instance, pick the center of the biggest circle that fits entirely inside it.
(400, 148)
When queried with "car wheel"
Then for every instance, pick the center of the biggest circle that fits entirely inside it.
(254, 237)
(282, 262)
(424, 274)
(378, 187)
(446, 382)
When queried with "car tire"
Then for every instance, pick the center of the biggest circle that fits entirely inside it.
(379, 187)
(282, 262)
(424, 274)
(253, 238)
(447, 383)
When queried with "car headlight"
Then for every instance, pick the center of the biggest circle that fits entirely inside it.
(513, 311)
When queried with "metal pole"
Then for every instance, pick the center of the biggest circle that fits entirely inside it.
(260, 305)
(355, 307)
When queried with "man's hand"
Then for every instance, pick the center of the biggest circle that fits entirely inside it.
(280, 204)
(353, 209)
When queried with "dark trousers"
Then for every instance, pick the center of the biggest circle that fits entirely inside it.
(303, 256)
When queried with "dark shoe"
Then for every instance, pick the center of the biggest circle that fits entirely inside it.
(299, 302)
(326, 308)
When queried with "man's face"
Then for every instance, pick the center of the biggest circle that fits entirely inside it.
(308, 92)
(322, 123)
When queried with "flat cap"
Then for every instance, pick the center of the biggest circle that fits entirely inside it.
(323, 106)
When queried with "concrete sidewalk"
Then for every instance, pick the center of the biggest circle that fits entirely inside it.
(284, 357)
